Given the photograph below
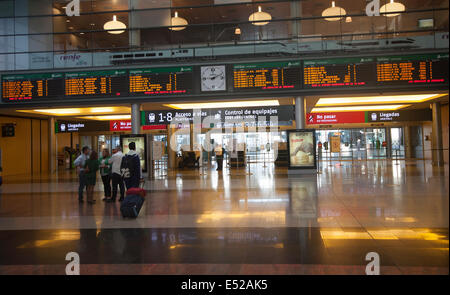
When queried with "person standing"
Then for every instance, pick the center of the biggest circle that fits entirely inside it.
(105, 172)
(131, 167)
(79, 163)
(91, 167)
(116, 176)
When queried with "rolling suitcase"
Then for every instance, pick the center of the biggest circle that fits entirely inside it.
(132, 204)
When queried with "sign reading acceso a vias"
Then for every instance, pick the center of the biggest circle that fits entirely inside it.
(284, 115)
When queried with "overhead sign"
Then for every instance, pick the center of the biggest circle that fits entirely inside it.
(120, 125)
(99, 83)
(344, 72)
(368, 117)
(335, 118)
(285, 115)
(399, 116)
(267, 76)
(293, 77)
(88, 126)
(32, 87)
(161, 81)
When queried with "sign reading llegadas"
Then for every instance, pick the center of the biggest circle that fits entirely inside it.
(92, 126)
(368, 117)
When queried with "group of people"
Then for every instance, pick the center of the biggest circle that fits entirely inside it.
(118, 171)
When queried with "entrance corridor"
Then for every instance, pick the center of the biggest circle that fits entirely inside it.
(238, 221)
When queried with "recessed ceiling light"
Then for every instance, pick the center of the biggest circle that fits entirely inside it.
(359, 108)
(106, 118)
(385, 99)
(79, 111)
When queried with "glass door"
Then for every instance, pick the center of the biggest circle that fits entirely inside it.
(376, 143)
(397, 143)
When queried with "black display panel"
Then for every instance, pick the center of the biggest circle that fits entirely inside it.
(412, 69)
(160, 81)
(96, 84)
(344, 72)
(32, 87)
(267, 76)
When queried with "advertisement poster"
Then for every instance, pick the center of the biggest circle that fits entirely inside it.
(335, 142)
(301, 146)
(140, 147)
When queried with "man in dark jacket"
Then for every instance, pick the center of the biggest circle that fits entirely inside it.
(131, 167)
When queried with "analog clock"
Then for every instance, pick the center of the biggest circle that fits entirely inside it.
(213, 78)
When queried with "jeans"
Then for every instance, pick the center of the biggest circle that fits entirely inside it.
(106, 179)
(117, 180)
(83, 183)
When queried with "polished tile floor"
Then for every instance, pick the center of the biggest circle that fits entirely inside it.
(253, 221)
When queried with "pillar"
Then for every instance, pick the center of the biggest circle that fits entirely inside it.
(191, 137)
(135, 118)
(408, 142)
(52, 157)
(171, 153)
(436, 136)
(300, 112)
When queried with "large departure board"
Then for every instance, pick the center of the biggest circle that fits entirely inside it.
(266, 76)
(346, 72)
(158, 81)
(412, 69)
(99, 83)
(32, 87)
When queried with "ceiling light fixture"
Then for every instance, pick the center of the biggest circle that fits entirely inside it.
(333, 11)
(115, 25)
(365, 100)
(260, 18)
(78, 111)
(359, 108)
(107, 118)
(224, 104)
(392, 7)
(178, 23)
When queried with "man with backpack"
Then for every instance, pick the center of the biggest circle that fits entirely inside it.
(131, 167)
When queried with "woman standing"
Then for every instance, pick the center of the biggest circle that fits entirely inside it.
(105, 172)
(91, 166)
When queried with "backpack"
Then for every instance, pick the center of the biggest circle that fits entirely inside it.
(126, 166)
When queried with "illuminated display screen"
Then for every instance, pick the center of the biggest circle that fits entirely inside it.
(350, 72)
(276, 75)
(176, 80)
(32, 87)
(415, 69)
(102, 83)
